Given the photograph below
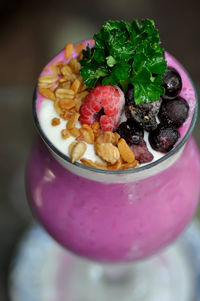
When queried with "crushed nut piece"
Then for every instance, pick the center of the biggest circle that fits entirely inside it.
(65, 78)
(65, 134)
(47, 81)
(65, 84)
(95, 164)
(89, 129)
(66, 103)
(77, 105)
(86, 134)
(59, 66)
(75, 65)
(105, 137)
(75, 132)
(66, 70)
(76, 85)
(95, 126)
(68, 50)
(115, 166)
(64, 93)
(116, 138)
(125, 151)
(79, 47)
(55, 121)
(73, 120)
(47, 93)
(57, 107)
(53, 69)
(83, 88)
(130, 165)
(56, 68)
(72, 111)
(82, 95)
(66, 115)
(70, 148)
(78, 151)
(108, 152)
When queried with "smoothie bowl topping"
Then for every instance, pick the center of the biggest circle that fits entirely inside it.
(116, 101)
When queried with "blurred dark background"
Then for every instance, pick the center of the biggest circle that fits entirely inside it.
(30, 34)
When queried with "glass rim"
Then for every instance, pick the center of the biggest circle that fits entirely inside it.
(123, 171)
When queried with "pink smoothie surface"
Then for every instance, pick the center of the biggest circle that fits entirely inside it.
(187, 92)
(113, 222)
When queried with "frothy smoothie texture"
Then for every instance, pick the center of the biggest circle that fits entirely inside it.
(119, 220)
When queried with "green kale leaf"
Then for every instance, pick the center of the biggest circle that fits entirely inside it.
(126, 53)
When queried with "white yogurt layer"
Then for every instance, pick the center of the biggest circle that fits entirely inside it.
(53, 133)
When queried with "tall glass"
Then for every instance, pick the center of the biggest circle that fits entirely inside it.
(114, 216)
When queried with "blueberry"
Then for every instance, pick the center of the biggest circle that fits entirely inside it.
(174, 112)
(142, 154)
(172, 83)
(163, 138)
(130, 131)
(142, 115)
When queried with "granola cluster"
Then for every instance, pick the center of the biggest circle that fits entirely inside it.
(64, 86)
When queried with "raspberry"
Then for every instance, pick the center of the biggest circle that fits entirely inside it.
(103, 104)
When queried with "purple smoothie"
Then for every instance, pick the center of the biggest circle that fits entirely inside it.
(113, 222)
(116, 222)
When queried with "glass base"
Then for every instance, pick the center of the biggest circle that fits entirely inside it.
(43, 271)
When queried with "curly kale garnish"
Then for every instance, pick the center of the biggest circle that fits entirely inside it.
(126, 53)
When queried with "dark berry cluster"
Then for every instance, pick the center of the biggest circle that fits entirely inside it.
(131, 132)
(160, 118)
